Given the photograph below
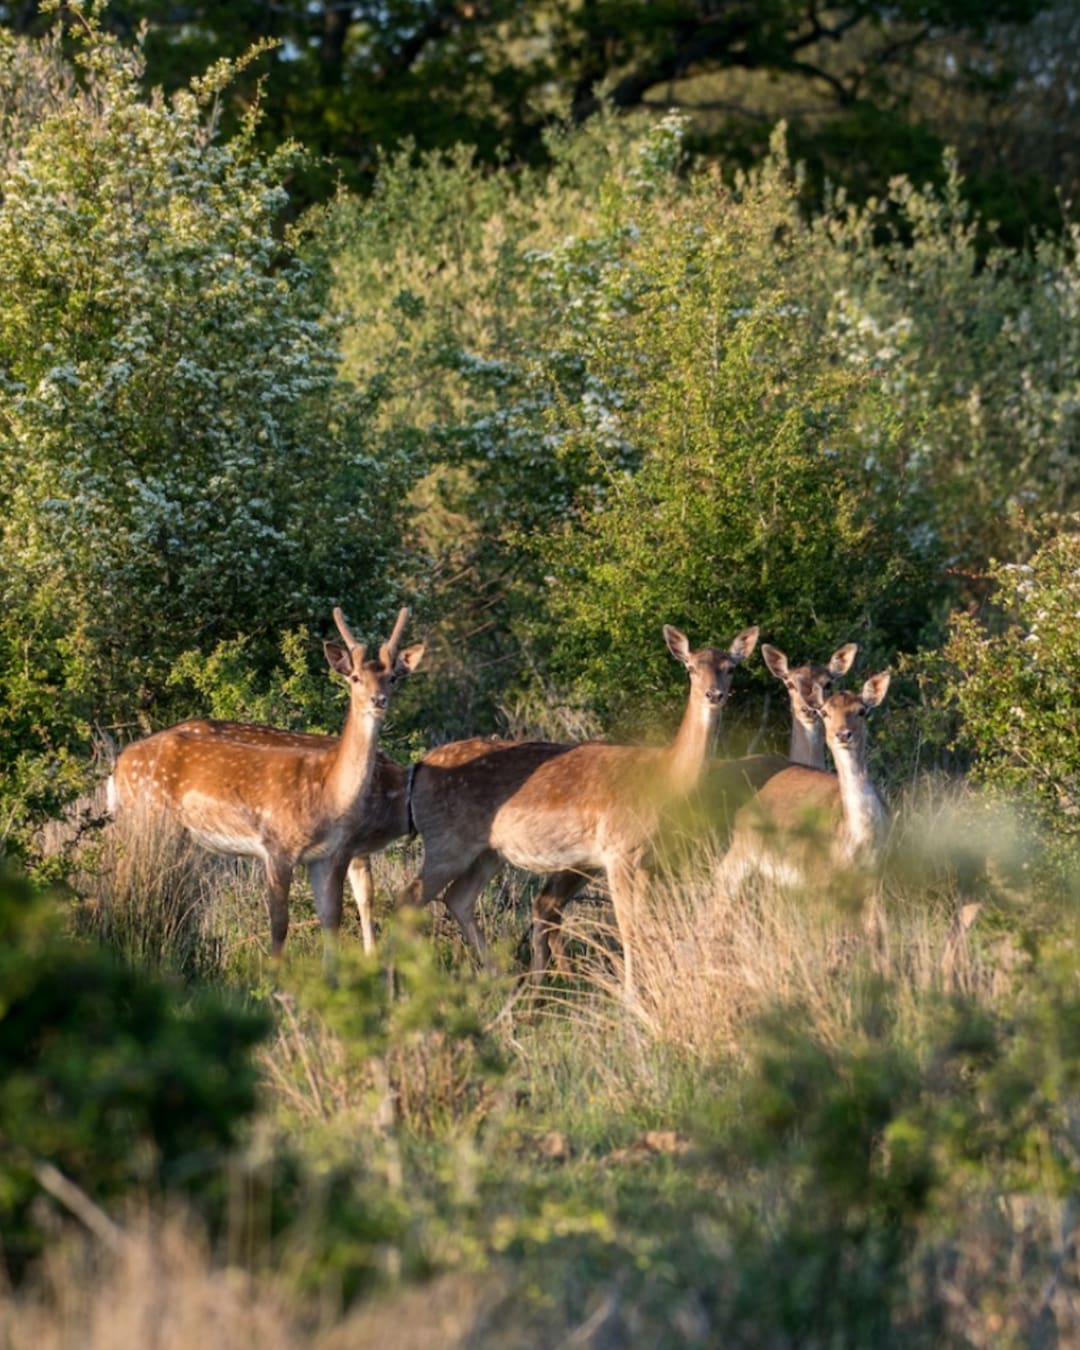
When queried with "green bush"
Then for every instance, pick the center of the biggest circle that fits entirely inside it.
(378, 1075)
(105, 1076)
(872, 1148)
(1011, 678)
(180, 464)
(654, 393)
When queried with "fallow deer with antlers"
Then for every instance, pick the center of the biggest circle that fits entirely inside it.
(285, 797)
(563, 808)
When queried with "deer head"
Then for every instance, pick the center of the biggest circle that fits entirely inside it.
(710, 669)
(808, 685)
(370, 682)
(844, 717)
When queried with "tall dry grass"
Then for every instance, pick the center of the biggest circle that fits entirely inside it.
(707, 963)
(159, 1286)
(152, 895)
(938, 919)
(163, 1287)
(159, 899)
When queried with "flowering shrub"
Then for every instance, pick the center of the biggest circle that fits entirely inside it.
(1014, 683)
(655, 391)
(179, 461)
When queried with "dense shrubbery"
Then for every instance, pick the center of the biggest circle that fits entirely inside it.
(179, 462)
(874, 1142)
(657, 396)
(1013, 684)
(104, 1077)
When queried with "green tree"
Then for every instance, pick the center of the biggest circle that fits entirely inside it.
(660, 415)
(617, 357)
(978, 354)
(743, 466)
(870, 89)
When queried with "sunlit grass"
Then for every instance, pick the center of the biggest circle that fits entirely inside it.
(596, 1106)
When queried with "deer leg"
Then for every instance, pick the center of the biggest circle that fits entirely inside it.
(363, 892)
(547, 918)
(434, 877)
(460, 898)
(279, 872)
(328, 887)
(626, 880)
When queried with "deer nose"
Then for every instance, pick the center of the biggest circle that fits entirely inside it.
(716, 696)
(843, 737)
(380, 701)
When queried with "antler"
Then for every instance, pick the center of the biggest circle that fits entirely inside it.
(356, 648)
(390, 646)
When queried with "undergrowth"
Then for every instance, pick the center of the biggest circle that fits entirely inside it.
(808, 1129)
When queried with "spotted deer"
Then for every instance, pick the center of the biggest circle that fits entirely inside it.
(287, 798)
(806, 686)
(566, 809)
(805, 821)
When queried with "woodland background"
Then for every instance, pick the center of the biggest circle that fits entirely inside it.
(556, 322)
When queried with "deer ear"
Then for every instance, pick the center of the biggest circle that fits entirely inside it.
(775, 659)
(408, 660)
(744, 644)
(842, 659)
(678, 644)
(340, 660)
(875, 689)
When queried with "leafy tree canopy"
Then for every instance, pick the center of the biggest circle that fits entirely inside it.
(868, 88)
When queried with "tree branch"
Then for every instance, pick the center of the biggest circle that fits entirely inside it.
(75, 1200)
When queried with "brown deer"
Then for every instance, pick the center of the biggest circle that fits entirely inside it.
(706, 815)
(563, 808)
(775, 835)
(726, 785)
(286, 797)
(807, 685)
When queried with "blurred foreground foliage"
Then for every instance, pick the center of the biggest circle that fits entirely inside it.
(109, 1074)
(905, 1155)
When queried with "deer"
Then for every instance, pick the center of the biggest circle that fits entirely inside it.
(704, 815)
(771, 837)
(806, 686)
(288, 798)
(728, 783)
(546, 807)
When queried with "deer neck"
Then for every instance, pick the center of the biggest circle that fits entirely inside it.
(807, 747)
(354, 762)
(864, 811)
(690, 750)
